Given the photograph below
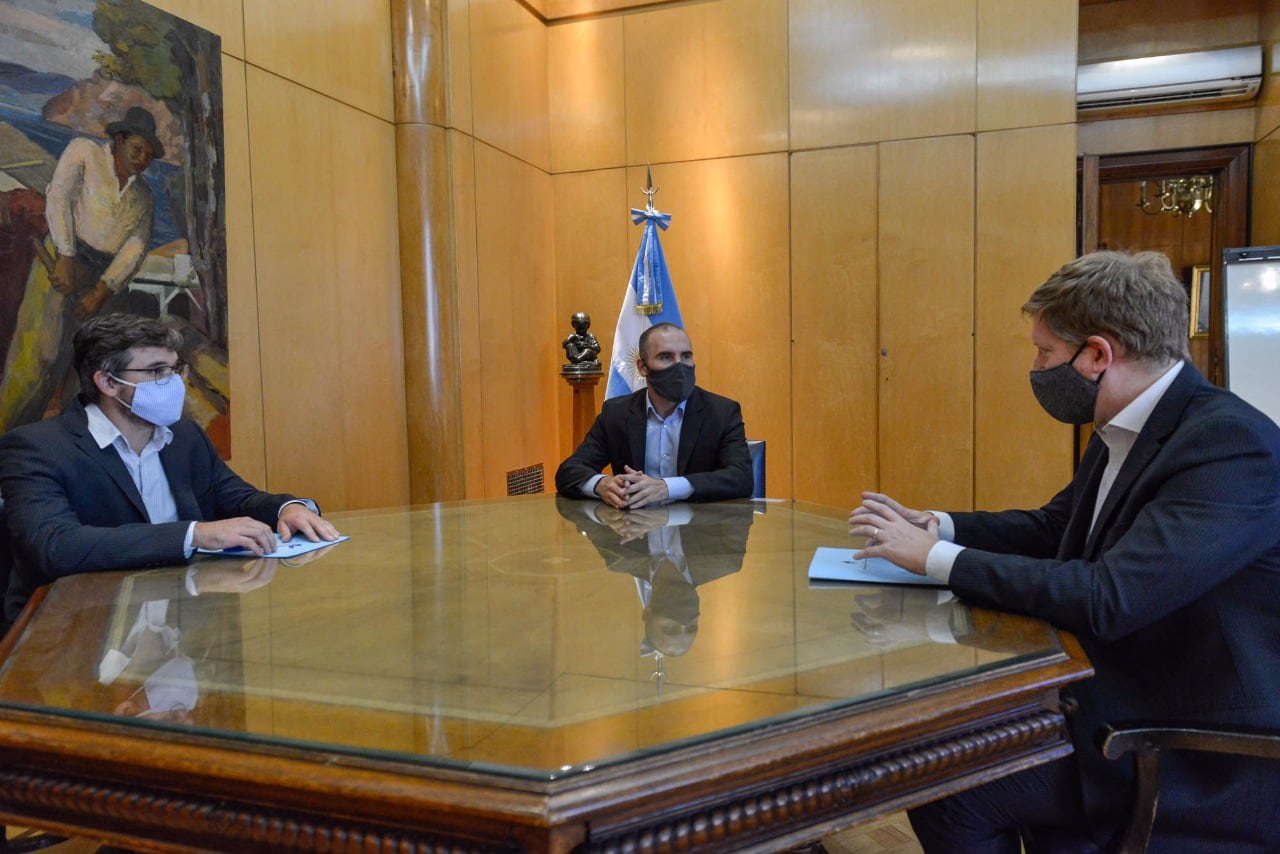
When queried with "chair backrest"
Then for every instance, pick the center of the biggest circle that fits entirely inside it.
(756, 449)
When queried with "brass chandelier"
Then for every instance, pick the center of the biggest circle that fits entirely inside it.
(1178, 196)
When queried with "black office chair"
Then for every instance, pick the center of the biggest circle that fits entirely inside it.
(1146, 740)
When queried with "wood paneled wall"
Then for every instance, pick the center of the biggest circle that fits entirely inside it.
(863, 195)
(824, 165)
(1266, 153)
(1128, 28)
(317, 383)
(824, 202)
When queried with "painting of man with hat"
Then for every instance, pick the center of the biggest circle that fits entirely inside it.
(100, 214)
(110, 131)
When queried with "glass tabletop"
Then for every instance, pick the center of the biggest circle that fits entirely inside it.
(534, 637)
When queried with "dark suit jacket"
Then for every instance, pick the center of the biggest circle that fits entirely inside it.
(714, 541)
(713, 451)
(72, 507)
(1175, 597)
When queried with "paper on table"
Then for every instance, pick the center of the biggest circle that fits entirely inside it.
(299, 545)
(830, 564)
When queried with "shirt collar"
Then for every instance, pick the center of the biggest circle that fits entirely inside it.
(111, 164)
(679, 410)
(1134, 416)
(104, 432)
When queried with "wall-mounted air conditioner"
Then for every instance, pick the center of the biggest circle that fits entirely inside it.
(1227, 74)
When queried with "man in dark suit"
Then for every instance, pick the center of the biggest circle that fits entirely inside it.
(121, 480)
(670, 441)
(1162, 556)
(670, 551)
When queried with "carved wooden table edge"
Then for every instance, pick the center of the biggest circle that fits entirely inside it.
(797, 806)
(845, 774)
(754, 791)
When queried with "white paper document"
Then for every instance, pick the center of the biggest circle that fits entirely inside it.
(299, 545)
(830, 564)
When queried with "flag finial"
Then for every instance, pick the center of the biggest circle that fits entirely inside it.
(649, 190)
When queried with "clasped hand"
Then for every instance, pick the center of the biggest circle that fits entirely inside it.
(894, 532)
(631, 490)
(634, 524)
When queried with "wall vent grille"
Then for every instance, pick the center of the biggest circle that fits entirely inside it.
(525, 481)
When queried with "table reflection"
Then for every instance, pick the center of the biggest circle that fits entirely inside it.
(532, 634)
(669, 551)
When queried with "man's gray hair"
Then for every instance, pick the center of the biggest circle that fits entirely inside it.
(1133, 298)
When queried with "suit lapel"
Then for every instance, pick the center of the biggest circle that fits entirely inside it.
(1088, 478)
(689, 429)
(637, 423)
(179, 477)
(107, 459)
(1164, 418)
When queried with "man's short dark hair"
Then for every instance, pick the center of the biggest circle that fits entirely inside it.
(1134, 298)
(644, 336)
(103, 344)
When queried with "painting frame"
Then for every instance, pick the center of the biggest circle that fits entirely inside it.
(1201, 301)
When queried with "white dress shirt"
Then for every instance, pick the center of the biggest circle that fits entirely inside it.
(85, 201)
(1119, 435)
(661, 452)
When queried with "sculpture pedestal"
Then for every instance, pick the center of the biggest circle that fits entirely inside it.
(583, 384)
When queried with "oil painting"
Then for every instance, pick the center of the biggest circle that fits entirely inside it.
(111, 195)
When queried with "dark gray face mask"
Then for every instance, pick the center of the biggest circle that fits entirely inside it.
(1066, 394)
(674, 383)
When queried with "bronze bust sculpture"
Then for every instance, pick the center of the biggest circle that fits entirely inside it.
(581, 347)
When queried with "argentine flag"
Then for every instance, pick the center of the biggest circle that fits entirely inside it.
(650, 299)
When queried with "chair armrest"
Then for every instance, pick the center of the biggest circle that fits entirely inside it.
(1146, 739)
(1115, 740)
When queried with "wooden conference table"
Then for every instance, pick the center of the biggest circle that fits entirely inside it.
(511, 675)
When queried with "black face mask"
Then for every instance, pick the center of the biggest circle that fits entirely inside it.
(1065, 393)
(674, 383)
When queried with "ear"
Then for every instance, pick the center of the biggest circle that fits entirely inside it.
(1099, 355)
(105, 384)
(641, 367)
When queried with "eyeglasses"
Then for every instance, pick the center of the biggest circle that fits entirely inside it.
(161, 374)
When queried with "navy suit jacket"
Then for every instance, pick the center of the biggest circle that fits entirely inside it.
(713, 451)
(1175, 597)
(72, 506)
(714, 541)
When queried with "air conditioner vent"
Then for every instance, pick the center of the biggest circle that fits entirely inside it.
(1228, 74)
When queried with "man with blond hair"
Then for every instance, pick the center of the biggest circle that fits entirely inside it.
(1162, 556)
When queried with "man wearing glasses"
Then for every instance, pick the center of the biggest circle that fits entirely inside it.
(120, 479)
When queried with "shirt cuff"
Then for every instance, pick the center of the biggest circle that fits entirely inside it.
(589, 485)
(188, 542)
(678, 488)
(679, 514)
(946, 525)
(305, 502)
(940, 560)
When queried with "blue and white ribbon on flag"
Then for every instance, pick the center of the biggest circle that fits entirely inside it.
(650, 299)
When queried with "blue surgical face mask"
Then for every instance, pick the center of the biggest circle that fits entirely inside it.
(157, 402)
(1065, 393)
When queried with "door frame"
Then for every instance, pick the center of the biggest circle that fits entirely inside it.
(1230, 167)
